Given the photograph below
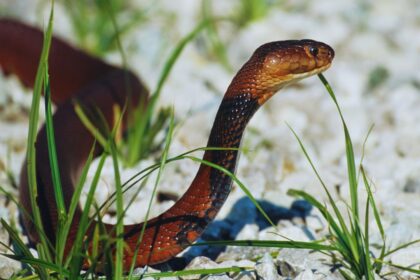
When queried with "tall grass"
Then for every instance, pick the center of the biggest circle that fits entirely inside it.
(44, 246)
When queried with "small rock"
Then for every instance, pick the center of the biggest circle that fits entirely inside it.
(310, 274)
(287, 229)
(4, 238)
(305, 275)
(315, 223)
(218, 277)
(235, 253)
(248, 232)
(336, 275)
(8, 267)
(201, 262)
(407, 257)
(140, 271)
(398, 234)
(243, 275)
(412, 186)
(266, 269)
(292, 262)
(239, 263)
(198, 263)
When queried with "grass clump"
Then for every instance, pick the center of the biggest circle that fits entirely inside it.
(348, 243)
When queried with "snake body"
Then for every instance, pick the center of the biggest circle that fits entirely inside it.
(77, 75)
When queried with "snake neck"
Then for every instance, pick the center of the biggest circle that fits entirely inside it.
(211, 187)
(231, 119)
(233, 115)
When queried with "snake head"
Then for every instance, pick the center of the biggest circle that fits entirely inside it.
(277, 64)
(293, 59)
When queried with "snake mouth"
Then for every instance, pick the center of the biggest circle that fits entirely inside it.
(288, 80)
(297, 77)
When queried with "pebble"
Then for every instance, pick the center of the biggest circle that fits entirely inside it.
(407, 257)
(296, 263)
(199, 263)
(266, 269)
(8, 267)
(139, 272)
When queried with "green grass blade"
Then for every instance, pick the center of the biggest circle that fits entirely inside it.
(269, 244)
(120, 213)
(376, 214)
(111, 13)
(351, 166)
(324, 211)
(402, 247)
(188, 272)
(373, 204)
(24, 252)
(55, 171)
(350, 241)
(173, 57)
(343, 233)
(32, 133)
(364, 148)
(13, 235)
(216, 43)
(52, 150)
(409, 269)
(40, 263)
(366, 258)
(80, 112)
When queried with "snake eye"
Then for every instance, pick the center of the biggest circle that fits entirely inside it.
(313, 51)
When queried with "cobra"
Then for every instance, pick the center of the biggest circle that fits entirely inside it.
(77, 75)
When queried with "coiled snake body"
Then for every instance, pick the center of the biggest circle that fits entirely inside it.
(75, 74)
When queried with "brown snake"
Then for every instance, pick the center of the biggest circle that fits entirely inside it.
(75, 74)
